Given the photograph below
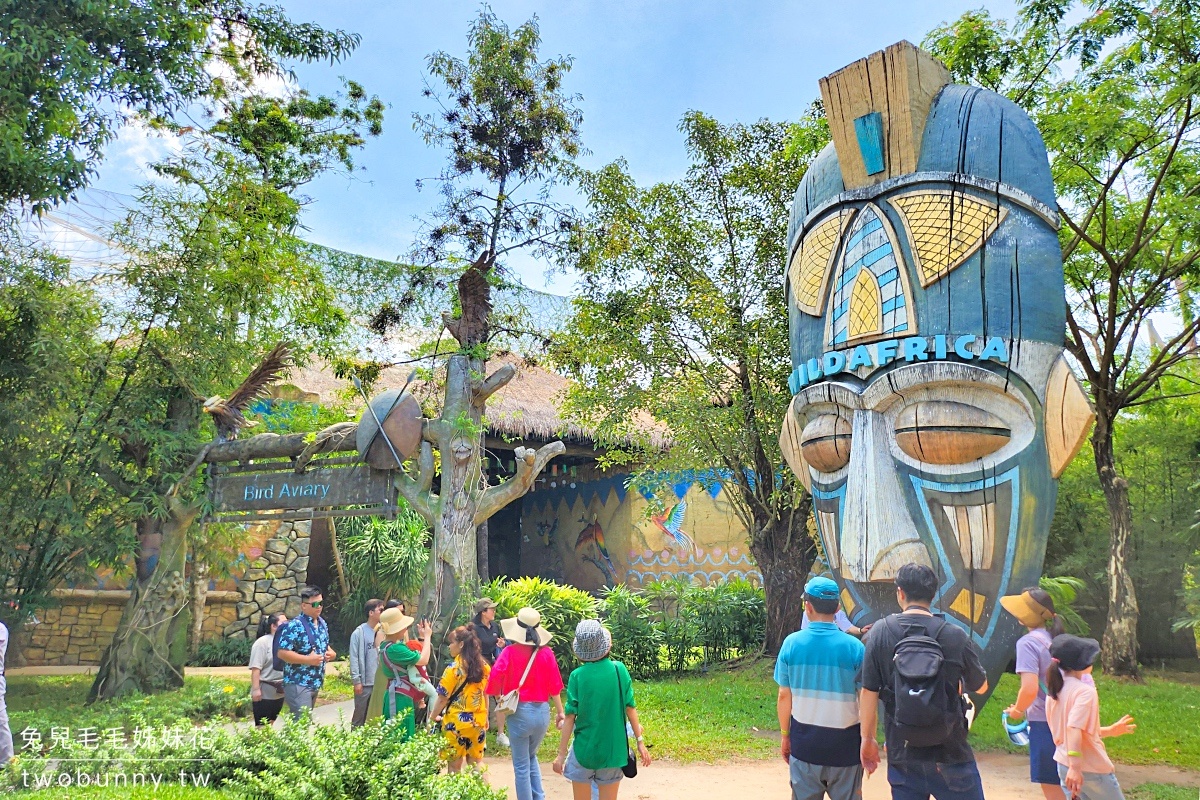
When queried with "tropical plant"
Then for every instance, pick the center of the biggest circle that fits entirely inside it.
(222, 651)
(636, 640)
(383, 558)
(561, 607)
(1063, 591)
(680, 631)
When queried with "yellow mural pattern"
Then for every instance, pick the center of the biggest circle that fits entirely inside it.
(812, 258)
(945, 228)
(865, 307)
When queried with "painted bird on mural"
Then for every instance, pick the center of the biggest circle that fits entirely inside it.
(594, 534)
(671, 523)
(227, 414)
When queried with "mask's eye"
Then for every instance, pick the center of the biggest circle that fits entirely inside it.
(826, 442)
(944, 432)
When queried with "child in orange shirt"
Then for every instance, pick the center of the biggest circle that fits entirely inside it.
(1073, 713)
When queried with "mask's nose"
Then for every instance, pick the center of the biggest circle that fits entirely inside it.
(877, 534)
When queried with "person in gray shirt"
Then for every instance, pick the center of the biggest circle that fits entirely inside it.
(364, 659)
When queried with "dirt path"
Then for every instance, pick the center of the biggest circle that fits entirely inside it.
(1005, 777)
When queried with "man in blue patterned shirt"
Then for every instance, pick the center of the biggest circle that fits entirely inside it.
(304, 649)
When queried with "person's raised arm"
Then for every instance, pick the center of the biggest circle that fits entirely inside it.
(292, 657)
(1119, 728)
(425, 631)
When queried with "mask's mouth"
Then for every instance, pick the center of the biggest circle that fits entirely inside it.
(968, 537)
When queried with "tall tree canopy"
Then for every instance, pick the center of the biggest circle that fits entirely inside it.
(681, 318)
(1115, 96)
(74, 69)
(511, 133)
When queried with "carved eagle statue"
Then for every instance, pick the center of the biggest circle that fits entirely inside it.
(227, 414)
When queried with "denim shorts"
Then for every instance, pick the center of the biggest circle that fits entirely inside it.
(577, 773)
(1096, 785)
(1042, 766)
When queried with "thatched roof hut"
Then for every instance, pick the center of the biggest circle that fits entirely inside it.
(527, 408)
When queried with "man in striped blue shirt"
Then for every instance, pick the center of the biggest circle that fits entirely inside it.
(818, 677)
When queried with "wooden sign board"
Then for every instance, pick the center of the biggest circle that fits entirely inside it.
(335, 487)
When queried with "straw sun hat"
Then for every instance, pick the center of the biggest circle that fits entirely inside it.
(526, 628)
(1029, 612)
(393, 620)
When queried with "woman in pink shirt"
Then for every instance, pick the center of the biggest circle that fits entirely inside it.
(1073, 712)
(542, 684)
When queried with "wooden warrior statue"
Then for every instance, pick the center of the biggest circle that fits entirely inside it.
(933, 410)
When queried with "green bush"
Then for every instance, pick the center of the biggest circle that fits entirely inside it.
(222, 652)
(562, 608)
(680, 630)
(299, 762)
(636, 641)
(45, 702)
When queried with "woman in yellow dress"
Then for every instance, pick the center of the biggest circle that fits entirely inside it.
(461, 701)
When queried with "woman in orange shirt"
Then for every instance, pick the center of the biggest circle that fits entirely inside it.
(1073, 712)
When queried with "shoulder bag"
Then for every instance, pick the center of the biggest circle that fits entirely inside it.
(630, 768)
(507, 704)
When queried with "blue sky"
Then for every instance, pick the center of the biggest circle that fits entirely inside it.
(638, 66)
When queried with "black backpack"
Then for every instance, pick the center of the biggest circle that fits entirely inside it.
(928, 709)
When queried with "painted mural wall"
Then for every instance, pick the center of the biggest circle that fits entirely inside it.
(598, 532)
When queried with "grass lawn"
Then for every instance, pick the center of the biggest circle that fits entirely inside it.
(712, 718)
(1166, 713)
(1160, 791)
(697, 717)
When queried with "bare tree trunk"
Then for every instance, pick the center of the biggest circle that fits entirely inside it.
(199, 593)
(1119, 653)
(148, 651)
(481, 552)
(784, 552)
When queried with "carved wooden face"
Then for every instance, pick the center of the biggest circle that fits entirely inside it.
(933, 409)
(941, 463)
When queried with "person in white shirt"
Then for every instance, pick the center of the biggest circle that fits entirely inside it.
(266, 682)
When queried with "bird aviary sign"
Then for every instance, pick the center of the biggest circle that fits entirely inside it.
(346, 470)
(933, 410)
(274, 490)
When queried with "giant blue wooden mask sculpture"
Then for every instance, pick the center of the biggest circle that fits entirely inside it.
(933, 409)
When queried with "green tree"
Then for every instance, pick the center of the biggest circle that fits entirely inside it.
(216, 276)
(511, 133)
(1115, 96)
(73, 70)
(681, 317)
(60, 519)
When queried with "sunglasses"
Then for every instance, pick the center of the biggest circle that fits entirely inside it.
(314, 605)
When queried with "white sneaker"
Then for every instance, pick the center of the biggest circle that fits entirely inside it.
(502, 740)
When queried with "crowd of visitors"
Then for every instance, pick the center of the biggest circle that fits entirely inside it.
(833, 677)
(920, 669)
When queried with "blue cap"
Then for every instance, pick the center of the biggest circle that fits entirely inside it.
(822, 589)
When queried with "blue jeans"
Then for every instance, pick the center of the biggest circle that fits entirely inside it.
(1096, 785)
(916, 780)
(526, 728)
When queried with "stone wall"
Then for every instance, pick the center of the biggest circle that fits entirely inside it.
(78, 629)
(274, 579)
(81, 625)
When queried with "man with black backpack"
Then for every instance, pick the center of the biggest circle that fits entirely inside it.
(919, 665)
